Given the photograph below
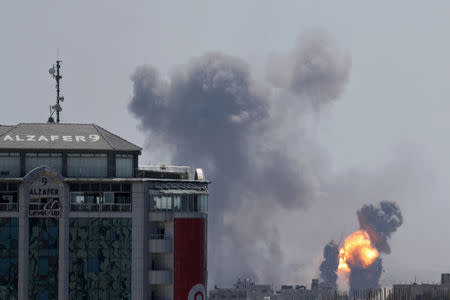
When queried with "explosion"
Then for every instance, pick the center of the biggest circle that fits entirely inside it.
(357, 251)
(358, 259)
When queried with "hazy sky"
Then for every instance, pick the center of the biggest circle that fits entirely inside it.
(388, 130)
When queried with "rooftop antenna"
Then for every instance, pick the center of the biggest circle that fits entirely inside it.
(57, 107)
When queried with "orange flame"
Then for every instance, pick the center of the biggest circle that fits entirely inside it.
(357, 251)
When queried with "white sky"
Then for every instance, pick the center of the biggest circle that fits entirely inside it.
(397, 98)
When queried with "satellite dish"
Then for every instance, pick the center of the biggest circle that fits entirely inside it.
(52, 70)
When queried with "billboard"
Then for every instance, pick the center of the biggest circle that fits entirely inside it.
(189, 259)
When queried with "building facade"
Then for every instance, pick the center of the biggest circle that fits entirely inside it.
(423, 291)
(79, 219)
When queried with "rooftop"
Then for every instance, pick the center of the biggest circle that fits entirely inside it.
(62, 137)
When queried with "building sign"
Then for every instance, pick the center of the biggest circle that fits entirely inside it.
(45, 189)
(189, 259)
(43, 192)
(52, 138)
(50, 209)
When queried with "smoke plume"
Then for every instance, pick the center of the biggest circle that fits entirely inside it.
(380, 222)
(315, 70)
(363, 279)
(328, 267)
(211, 113)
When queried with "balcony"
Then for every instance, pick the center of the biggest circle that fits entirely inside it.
(159, 243)
(100, 207)
(162, 216)
(160, 277)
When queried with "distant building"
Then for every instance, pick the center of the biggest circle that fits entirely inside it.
(242, 290)
(423, 291)
(247, 290)
(318, 291)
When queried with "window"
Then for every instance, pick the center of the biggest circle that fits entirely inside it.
(93, 265)
(194, 202)
(100, 196)
(124, 165)
(8, 201)
(8, 196)
(122, 198)
(77, 197)
(51, 160)
(43, 258)
(9, 164)
(87, 165)
(100, 201)
(9, 233)
(177, 203)
(108, 197)
(100, 258)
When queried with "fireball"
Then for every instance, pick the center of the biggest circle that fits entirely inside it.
(357, 251)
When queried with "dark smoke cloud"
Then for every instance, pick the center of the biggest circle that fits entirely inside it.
(330, 264)
(363, 279)
(210, 113)
(380, 222)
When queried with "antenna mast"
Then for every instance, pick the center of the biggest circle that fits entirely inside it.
(57, 107)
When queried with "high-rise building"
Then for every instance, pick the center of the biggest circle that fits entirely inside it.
(79, 219)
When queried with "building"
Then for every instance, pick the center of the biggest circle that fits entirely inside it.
(79, 219)
(423, 291)
(242, 290)
(247, 290)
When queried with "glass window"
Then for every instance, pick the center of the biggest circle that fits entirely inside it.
(124, 165)
(122, 198)
(43, 258)
(51, 160)
(100, 201)
(9, 164)
(100, 264)
(12, 187)
(176, 202)
(156, 202)
(109, 197)
(43, 266)
(161, 202)
(93, 265)
(184, 202)
(115, 187)
(203, 203)
(8, 257)
(180, 202)
(77, 197)
(8, 201)
(87, 165)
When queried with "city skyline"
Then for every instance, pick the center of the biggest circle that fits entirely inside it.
(382, 138)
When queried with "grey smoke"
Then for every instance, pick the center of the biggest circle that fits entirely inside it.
(210, 113)
(380, 222)
(315, 69)
(329, 265)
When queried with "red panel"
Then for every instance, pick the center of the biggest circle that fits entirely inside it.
(189, 258)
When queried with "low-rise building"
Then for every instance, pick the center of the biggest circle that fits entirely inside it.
(242, 290)
(423, 291)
